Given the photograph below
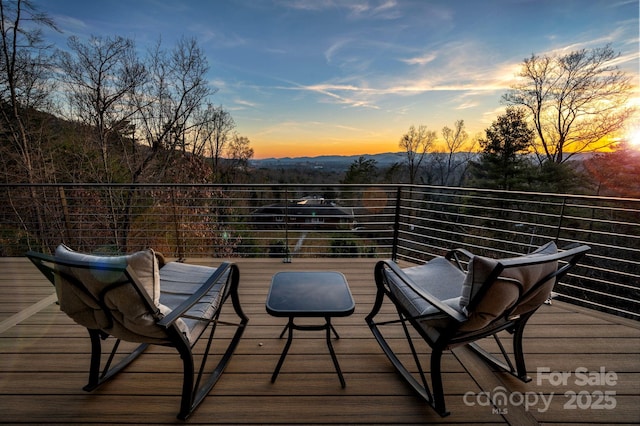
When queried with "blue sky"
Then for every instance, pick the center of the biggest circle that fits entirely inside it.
(316, 77)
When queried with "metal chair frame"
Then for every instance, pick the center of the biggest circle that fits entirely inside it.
(195, 386)
(451, 336)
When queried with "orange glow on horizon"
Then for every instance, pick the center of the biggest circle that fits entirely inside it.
(316, 144)
(268, 149)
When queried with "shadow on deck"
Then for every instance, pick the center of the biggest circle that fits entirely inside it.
(594, 360)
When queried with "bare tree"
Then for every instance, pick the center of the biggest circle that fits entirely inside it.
(168, 105)
(416, 143)
(575, 100)
(238, 154)
(100, 76)
(456, 137)
(219, 128)
(451, 163)
(24, 74)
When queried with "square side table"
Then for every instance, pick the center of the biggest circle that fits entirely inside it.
(317, 294)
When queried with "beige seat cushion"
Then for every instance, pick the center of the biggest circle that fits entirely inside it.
(503, 293)
(133, 319)
(439, 277)
(178, 281)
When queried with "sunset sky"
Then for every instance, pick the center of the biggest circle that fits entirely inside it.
(316, 77)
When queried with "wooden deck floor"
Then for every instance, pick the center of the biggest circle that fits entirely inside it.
(44, 359)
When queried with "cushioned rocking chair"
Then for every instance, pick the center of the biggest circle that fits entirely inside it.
(137, 298)
(460, 298)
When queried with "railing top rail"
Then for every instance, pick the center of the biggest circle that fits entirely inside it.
(325, 185)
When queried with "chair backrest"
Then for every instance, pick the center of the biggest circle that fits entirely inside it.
(503, 288)
(116, 294)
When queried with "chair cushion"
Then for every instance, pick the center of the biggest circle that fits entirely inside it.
(530, 276)
(178, 281)
(504, 292)
(439, 277)
(133, 319)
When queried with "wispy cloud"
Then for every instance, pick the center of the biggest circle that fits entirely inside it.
(359, 9)
(306, 4)
(245, 103)
(335, 47)
(629, 59)
(69, 24)
(420, 60)
(218, 39)
(437, 71)
(340, 94)
(467, 105)
(386, 10)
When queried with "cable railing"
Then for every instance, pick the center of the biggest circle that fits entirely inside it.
(413, 223)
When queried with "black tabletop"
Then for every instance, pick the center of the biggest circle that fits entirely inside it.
(309, 293)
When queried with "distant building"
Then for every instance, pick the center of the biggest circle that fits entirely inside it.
(308, 212)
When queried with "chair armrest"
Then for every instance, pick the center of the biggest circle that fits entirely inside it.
(425, 295)
(38, 260)
(456, 255)
(179, 311)
(572, 254)
(574, 251)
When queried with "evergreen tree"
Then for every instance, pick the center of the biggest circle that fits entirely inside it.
(503, 164)
(559, 178)
(361, 171)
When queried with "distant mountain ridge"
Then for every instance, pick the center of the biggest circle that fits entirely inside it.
(321, 161)
(344, 161)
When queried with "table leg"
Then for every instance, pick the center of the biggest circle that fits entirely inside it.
(284, 330)
(289, 326)
(334, 330)
(329, 327)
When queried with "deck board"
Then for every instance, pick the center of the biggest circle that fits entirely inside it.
(44, 360)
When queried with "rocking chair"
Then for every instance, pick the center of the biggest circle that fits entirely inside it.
(450, 305)
(137, 298)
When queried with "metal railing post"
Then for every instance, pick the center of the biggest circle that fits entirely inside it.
(180, 252)
(560, 218)
(396, 226)
(287, 255)
(65, 213)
